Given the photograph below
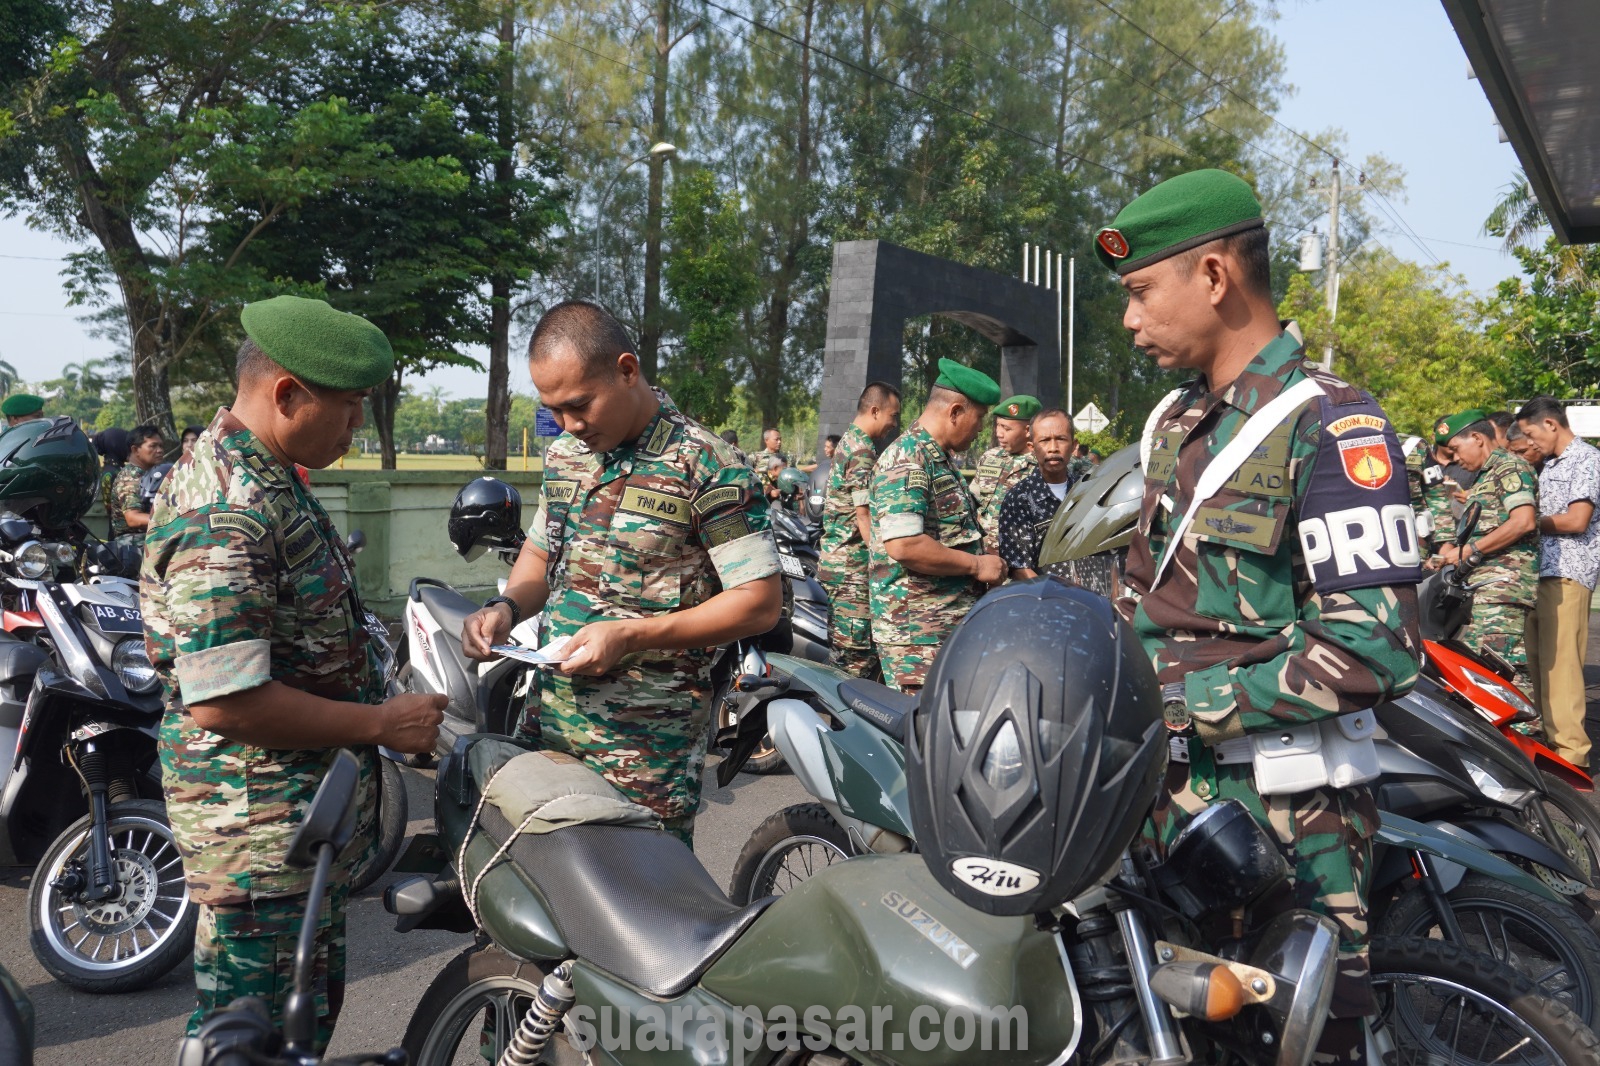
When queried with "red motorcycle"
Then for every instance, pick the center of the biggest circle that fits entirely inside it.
(1477, 675)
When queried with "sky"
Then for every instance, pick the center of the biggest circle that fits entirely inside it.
(1390, 73)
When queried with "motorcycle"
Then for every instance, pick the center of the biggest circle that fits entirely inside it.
(81, 798)
(844, 737)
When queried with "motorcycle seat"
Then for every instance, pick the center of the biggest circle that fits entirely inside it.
(448, 607)
(885, 709)
(633, 901)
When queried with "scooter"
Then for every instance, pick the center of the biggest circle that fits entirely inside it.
(844, 737)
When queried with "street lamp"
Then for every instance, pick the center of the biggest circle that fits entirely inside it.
(659, 150)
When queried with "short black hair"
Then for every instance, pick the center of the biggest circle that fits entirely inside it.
(1541, 407)
(1055, 412)
(139, 434)
(1502, 419)
(876, 394)
(1253, 250)
(592, 332)
(731, 436)
(1514, 432)
(196, 430)
(832, 438)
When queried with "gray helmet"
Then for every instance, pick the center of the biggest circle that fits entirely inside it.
(1099, 513)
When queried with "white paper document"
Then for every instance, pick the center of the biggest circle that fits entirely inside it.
(549, 655)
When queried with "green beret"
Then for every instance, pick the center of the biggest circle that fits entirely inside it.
(1179, 214)
(975, 385)
(312, 341)
(1449, 427)
(21, 403)
(1020, 408)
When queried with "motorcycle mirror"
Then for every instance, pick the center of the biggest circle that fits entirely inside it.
(331, 818)
(355, 541)
(1468, 523)
(103, 558)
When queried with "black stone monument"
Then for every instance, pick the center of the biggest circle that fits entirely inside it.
(878, 285)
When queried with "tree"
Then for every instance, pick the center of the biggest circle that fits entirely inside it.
(1547, 323)
(712, 283)
(8, 378)
(1406, 333)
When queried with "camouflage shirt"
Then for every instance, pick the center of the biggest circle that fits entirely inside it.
(123, 497)
(844, 554)
(1505, 483)
(246, 581)
(998, 472)
(916, 491)
(654, 526)
(1279, 605)
(762, 462)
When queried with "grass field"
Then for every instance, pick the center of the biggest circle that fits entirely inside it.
(433, 462)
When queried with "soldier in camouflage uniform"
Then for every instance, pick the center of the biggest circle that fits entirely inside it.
(847, 529)
(1505, 544)
(125, 504)
(1003, 466)
(928, 566)
(770, 461)
(649, 550)
(1232, 594)
(255, 626)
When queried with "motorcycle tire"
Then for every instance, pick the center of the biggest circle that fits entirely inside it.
(393, 813)
(787, 848)
(480, 984)
(152, 916)
(1549, 943)
(1474, 998)
(1577, 822)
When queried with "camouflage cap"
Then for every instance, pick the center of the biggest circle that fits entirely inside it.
(1018, 408)
(314, 342)
(1180, 213)
(1449, 427)
(19, 404)
(975, 385)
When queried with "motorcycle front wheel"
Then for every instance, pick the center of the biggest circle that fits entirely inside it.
(1438, 1003)
(1577, 825)
(470, 1011)
(130, 940)
(787, 848)
(393, 812)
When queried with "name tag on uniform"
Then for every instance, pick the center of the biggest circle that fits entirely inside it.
(560, 491)
(661, 506)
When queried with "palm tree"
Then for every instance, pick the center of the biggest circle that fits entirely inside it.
(85, 377)
(8, 377)
(1518, 219)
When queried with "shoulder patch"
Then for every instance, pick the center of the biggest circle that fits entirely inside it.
(1510, 482)
(1367, 462)
(1344, 425)
(300, 542)
(721, 496)
(917, 478)
(658, 440)
(233, 521)
(725, 529)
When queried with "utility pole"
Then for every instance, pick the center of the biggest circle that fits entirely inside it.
(1330, 296)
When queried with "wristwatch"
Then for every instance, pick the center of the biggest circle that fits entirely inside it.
(1175, 708)
(516, 612)
(1474, 556)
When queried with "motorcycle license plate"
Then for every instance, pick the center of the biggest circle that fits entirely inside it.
(791, 566)
(109, 618)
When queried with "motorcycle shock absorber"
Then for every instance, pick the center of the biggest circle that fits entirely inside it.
(93, 769)
(539, 1022)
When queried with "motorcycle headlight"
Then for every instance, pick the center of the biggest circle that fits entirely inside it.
(31, 560)
(1506, 694)
(1492, 787)
(131, 663)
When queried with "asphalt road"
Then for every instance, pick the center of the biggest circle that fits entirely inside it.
(388, 970)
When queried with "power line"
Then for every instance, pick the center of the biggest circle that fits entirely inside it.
(34, 258)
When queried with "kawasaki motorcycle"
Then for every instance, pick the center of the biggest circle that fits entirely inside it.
(844, 740)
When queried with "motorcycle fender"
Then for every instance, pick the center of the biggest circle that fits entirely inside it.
(856, 768)
(797, 731)
(1501, 837)
(1551, 763)
(877, 939)
(1453, 853)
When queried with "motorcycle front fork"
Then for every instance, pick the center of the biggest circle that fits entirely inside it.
(99, 881)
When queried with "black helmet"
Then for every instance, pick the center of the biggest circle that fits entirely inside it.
(1035, 750)
(48, 472)
(487, 514)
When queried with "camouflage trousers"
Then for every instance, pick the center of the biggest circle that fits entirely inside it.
(905, 666)
(247, 949)
(1326, 836)
(643, 729)
(850, 629)
(1500, 627)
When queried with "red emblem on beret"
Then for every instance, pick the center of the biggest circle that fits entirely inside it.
(1014, 409)
(1113, 242)
(1441, 429)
